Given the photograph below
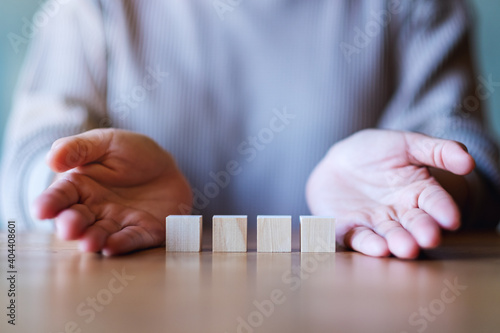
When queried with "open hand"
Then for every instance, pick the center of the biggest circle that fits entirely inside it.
(377, 185)
(114, 190)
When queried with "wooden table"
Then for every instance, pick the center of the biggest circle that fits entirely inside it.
(455, 288)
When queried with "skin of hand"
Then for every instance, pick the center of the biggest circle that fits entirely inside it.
(378, 185)
(113, 191)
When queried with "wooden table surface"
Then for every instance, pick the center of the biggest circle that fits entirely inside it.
(455, 288)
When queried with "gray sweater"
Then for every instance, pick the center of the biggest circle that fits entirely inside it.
(247, 95)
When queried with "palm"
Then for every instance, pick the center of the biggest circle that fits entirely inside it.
(117, 192)
(378, 187)
(376, 184)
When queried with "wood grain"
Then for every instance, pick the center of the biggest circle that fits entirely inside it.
(317, 234)
(183, 233)
(274, 233)
(229, 233)
(60, 289)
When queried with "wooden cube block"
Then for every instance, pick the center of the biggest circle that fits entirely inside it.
(317, 234)
(229, 233)
(274, 233)
(183, 233)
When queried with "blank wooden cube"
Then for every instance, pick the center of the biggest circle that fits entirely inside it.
(229, 233)
(317, 234)
(183, 233)
(274, 233)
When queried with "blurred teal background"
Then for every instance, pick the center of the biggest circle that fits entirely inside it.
(14, 12)
(11, 21)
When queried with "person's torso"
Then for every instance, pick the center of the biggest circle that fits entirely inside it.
(248, 98)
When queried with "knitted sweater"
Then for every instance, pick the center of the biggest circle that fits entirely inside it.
(246, 95)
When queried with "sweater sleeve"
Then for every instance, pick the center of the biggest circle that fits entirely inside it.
(61, 91)
(438, 94)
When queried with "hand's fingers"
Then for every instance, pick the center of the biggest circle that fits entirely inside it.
(129, 239)
(399, 241)
(439, 204)
(58, 196)
(423, 228)
(95, 237)
(72, 222)
(364, 240)
(443, 154)
(138, 231)
(141, 234)
(70, 152)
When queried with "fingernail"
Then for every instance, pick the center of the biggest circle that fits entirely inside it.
(49, 155)
(464, 147)
(55, 145)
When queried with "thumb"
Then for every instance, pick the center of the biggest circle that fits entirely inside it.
(447, 155)
(77, 150)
